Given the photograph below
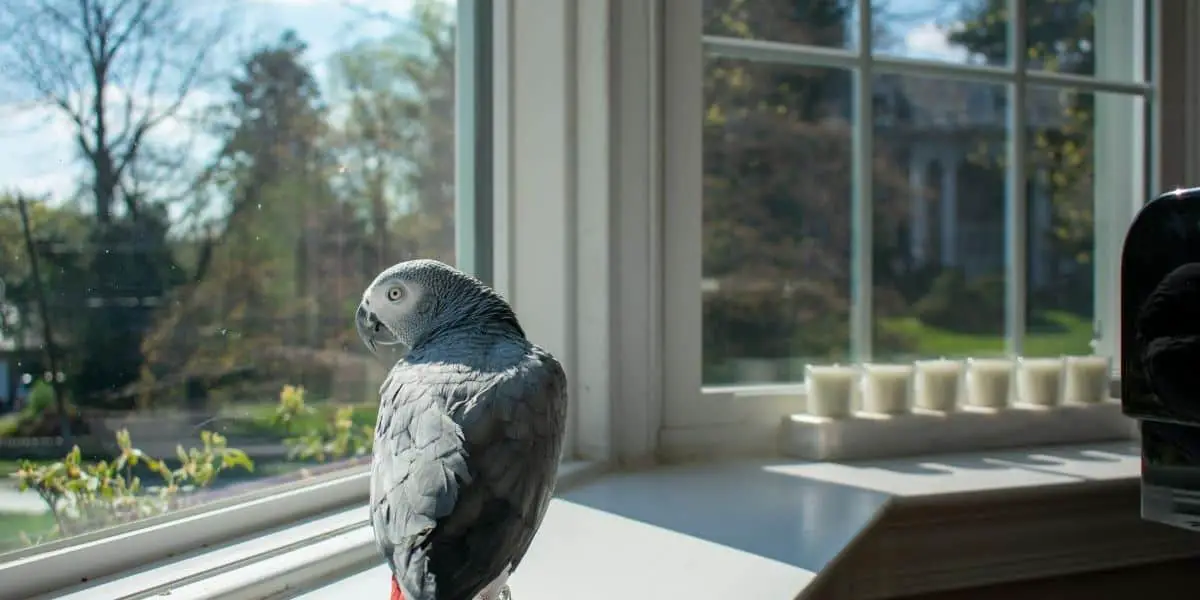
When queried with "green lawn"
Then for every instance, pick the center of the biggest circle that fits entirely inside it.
(258, 419)
(12, 524)
(1063, 334)
(1073, 337)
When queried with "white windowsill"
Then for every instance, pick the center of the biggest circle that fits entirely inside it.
(195, 556)
(761, 529)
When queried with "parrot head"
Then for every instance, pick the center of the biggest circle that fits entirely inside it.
(410, 302)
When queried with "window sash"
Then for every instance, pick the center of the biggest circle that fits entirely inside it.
(1121, 45)
(703, 420)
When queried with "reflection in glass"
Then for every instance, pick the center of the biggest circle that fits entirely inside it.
(958, 31)
(777, 190)
(938, 239)
(825, 23)
(185, 228)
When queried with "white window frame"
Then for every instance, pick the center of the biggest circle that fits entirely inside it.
(578, 234)
(717, 419)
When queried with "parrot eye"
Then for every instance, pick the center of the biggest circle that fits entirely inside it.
(394, 294)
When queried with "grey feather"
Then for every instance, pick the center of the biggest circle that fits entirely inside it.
(467, 447)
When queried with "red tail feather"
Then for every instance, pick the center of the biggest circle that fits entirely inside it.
(396, 593)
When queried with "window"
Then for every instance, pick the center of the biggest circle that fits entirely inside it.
(192, 198)
(893, 181)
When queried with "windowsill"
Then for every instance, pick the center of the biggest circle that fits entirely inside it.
(762, 529)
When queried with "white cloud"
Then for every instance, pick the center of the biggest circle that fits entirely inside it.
(932, 41)
(35, 152)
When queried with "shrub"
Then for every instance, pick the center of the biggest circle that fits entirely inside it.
(968, 306)
(333, 437)
(87, 495)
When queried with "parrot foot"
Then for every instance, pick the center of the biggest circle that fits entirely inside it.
(505, 594)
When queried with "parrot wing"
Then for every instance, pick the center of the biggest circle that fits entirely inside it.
(464, 469)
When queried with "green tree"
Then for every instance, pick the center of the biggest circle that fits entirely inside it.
(116, 71)
(777, 155)
(1060, 37)
(397, 137)
(261, 284)
(40, 291)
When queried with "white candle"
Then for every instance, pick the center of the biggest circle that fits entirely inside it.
(830, 389)
(1039, 381)
(1086, 379)
(886, 388)
(935, 384)
(988, 382)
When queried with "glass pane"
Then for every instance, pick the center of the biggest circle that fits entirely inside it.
(1085, 37)
(939, 218)
(1064, 151)
(826, 23)
(777, 188)
(185, 233)
(959, 31)
(1060, 35)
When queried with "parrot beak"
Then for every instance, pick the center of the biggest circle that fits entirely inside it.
(372, 331)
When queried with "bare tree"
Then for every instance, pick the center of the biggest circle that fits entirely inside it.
(116, 70)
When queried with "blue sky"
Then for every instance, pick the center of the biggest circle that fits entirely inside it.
(36, 150)
(37, 156)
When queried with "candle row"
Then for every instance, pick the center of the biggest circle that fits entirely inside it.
(947, 385)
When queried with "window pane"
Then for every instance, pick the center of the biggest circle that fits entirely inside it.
(827, 23)
(777, 189)
(1060, 35)
(186, 233)
(938, 238)
(1064, 129)
(958, 31)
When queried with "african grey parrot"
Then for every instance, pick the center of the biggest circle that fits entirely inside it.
(469, 434)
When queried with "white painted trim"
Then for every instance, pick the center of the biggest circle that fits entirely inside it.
(578, 224)
(502, 143)
(837, 58)
(683, 189)
(105, 553)
(862, 195)
(208, 562)
(594, 256)
(1016, 230)
(535, 177)
(260, 566)
(1121, 183)
(634, 167)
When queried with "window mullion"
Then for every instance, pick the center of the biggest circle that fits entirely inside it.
(1016, 224)
(861, 274)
